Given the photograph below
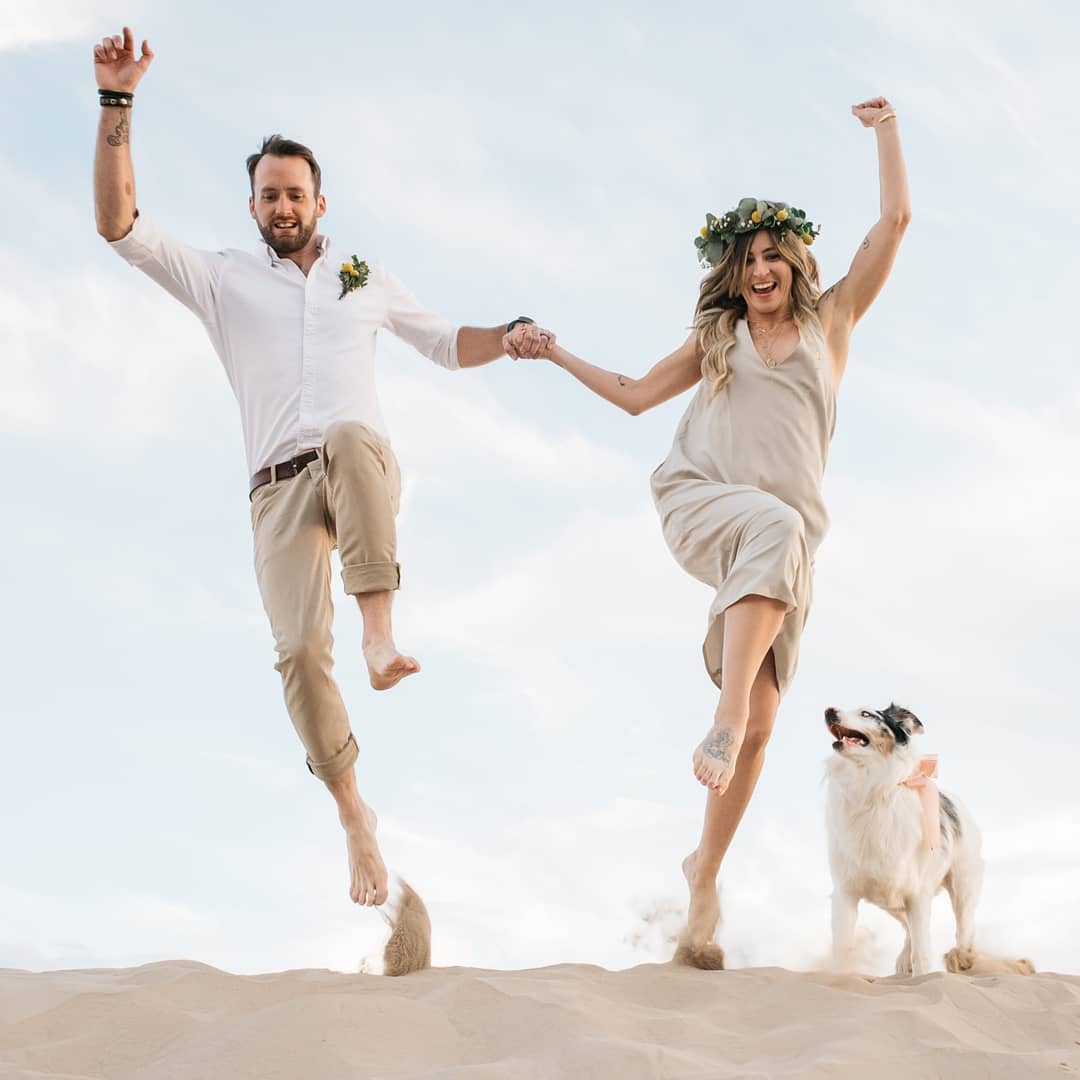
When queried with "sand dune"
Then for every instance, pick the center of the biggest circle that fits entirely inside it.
(179, 1020)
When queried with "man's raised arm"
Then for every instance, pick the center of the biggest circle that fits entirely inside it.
(118, 72)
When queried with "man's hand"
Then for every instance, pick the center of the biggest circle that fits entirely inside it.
(527, 341)
(116, 67)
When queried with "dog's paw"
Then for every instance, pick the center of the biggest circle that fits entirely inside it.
(969, 962)
(903, 963)
(960, 961)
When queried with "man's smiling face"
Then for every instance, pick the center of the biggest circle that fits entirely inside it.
(284, 204)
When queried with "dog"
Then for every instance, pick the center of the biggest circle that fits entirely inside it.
(896, 841)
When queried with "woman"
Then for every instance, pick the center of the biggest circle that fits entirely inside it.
(739, 494)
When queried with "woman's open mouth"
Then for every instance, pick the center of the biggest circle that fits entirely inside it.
(763, 290)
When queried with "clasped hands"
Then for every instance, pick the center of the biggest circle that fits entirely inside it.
(527, 341)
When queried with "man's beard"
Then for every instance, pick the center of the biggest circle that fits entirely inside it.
(288, 243)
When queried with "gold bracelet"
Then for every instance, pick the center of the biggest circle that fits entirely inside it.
(881, 119)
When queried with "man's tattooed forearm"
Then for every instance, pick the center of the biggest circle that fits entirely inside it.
(120, 135)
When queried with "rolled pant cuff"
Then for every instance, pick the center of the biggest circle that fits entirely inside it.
(371, 577)
(338, 763)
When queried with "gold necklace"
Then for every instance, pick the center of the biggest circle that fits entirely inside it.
(769, 335)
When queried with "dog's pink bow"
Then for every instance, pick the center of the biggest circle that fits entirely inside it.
(922, 781)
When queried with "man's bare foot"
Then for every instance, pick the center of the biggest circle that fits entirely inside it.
(367, 872)
(696, 947)
(716, 754)
(386, 666)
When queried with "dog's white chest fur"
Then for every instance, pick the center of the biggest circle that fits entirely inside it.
(876, 844)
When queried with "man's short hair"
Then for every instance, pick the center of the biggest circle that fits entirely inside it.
(279, 146)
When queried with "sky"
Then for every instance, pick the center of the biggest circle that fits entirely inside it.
(534, 781)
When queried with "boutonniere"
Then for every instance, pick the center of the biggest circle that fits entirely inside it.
(352, 275)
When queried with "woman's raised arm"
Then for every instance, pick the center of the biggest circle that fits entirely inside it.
(667, 379)
(847, 301)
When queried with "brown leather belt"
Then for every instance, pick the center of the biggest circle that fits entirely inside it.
(285, 471)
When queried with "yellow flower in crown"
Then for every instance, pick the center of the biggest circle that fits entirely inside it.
(781, 215)
(352, 275)
(704, 230)
(755, 217)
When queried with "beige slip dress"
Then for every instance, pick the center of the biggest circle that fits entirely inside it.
(739, 495)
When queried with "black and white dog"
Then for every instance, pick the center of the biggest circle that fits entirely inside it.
(896, 846)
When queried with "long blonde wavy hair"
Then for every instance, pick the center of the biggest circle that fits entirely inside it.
(721, 305)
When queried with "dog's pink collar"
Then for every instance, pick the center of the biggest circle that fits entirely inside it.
(922, 781)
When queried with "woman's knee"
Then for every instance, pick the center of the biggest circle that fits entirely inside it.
(758, 732)
(786, 523)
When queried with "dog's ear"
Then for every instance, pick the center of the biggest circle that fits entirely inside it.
(898, 717)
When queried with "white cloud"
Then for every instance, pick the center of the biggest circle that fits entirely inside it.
(52, 22)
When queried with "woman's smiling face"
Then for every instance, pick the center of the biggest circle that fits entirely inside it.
(766, 277)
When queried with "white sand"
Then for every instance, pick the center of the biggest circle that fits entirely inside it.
(184, 1020)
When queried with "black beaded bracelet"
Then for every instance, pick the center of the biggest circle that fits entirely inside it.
(520, 319)
(123, 98)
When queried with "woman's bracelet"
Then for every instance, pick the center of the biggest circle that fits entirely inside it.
(122, 98)
(890, 115)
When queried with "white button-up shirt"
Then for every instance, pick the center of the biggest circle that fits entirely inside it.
(297, 357)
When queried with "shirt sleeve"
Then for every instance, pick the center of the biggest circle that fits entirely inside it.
(185, 272)
(425, 331)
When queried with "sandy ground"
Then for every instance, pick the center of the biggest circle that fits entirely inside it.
(180, 1019)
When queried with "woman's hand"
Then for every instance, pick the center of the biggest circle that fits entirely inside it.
(868, 113)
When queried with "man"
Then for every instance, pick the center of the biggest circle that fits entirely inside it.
(295, 329)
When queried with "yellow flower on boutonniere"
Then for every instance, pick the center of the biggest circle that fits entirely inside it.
(352, 275)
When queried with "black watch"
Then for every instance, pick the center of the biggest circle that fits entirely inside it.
(520, 319)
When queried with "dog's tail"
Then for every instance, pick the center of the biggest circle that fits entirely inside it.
(408, 948)
(968, 961)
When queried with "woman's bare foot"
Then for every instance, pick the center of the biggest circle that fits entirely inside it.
(367, 872)
(386, 666)
(696, 947)
(717, 753)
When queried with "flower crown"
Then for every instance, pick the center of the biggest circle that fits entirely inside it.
(719, 233)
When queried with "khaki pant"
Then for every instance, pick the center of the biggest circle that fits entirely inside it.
(347, 498)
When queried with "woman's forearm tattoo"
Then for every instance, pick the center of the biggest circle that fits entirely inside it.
(621, 379)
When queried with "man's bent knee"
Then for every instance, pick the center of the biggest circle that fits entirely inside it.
(351, 435)
(304, 656)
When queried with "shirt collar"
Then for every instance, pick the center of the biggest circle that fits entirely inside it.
(322, 246)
